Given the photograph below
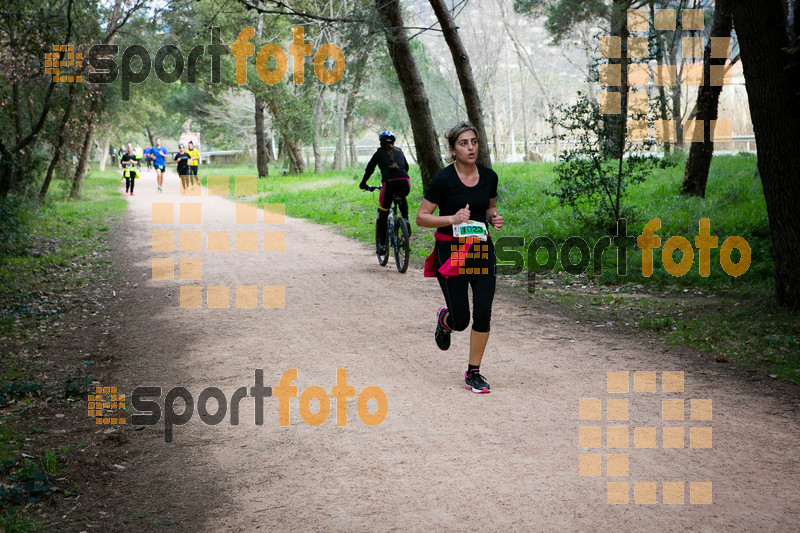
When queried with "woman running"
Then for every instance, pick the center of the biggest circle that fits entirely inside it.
(394, 181)
(157, 154)
(194, 162)
(463, 192)
(128, 161)
(182, 160)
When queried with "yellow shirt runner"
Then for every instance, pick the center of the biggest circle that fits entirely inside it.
(195, 155)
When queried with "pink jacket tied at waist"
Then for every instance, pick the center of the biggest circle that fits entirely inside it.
(454, 263)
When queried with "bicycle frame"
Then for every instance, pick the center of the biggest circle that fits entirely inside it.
(400, 246)
(390, 223)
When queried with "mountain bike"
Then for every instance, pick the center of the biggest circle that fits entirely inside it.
(399, 234)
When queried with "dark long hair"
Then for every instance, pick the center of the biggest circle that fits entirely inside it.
(389, 146)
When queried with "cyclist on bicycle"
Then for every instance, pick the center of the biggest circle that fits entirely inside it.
(394, 181)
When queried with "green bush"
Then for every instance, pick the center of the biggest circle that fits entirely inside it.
(15, 217)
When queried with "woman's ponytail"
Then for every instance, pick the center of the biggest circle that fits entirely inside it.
(390, 148)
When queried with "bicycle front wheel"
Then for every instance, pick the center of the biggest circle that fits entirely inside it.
(402, 235)
(383, 258)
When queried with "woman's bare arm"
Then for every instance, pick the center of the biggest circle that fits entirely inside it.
(494, 220)
(426, 218)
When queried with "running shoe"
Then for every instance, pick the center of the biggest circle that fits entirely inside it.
(159, 189)
(131, 193)
(442, 333)
(475, 382)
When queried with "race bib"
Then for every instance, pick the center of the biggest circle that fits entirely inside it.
(470, 228)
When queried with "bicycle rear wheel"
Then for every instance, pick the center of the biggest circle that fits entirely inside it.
(383, 259)
(402, 235)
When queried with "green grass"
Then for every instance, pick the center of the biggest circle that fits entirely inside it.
(10, 443)
(58, 251)
(65, 239)
(756, 335)
(734, 204)
(12, 522)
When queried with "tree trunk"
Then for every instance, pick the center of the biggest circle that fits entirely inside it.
(676, 93)
(104, 154)
(662, 92)
(17, 110)
(62, 136)
(419, 113)
(351, 141)
(699, 161)
(262, 165)
(336, 164)
(150, 136)
(50, 169)
(281, 156)
(271, 157)
(17, 107)
(496, 130)
(6, 163)
(464, 71)
(296, 165)
(618, 131)
(341, 144)
(775, 111)
(586, 38)
(86, 150)
(261, 147)
(317, 130)
(524, 111)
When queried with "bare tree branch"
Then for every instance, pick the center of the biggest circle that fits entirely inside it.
(286, 9)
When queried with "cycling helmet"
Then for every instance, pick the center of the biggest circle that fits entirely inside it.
(386, 136)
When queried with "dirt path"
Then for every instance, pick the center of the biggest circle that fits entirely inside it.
(443, 459)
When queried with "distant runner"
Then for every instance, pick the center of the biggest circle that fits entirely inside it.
(157, 154)
(194, 163)
(182, 159)
(128, 161)
(147, 159)
(139, 153)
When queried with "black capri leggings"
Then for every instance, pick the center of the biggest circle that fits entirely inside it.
(482, 279)
(130, 180)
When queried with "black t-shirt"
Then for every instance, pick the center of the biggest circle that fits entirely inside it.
(382, 160)
(128, 157)
(450, 194)
(183, 163)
